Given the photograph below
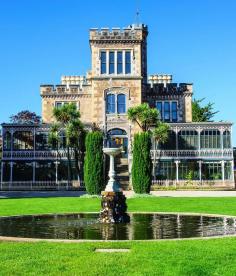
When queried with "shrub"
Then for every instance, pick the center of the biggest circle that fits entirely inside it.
(93, 163)
(142, 163)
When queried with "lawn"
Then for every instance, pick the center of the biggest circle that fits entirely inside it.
(184, 257)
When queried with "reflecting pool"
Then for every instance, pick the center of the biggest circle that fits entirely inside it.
(149, 226)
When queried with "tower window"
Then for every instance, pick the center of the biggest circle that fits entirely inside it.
(103, 62)
(119, 63)
(127, 62)
(111, 63)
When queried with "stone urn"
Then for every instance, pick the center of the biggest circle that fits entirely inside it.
(113, 200)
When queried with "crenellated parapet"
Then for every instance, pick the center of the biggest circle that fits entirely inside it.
(64, 89)
(170, 89)
(131, 33)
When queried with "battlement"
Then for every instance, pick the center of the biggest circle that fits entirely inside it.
(170, 88)
(159, 78)
(133, 32)
(49, 89)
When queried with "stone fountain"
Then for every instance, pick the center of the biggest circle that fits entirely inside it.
(113, 200)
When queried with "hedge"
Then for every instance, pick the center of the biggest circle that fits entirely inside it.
(142, 163)
(93, 163)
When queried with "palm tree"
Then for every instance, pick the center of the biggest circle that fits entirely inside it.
(144, 116)
(148, 119)
(160, 135)
(68, 123)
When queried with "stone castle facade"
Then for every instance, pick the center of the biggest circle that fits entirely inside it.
(118, 80)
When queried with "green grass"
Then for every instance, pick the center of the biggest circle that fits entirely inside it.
(195, 257)
(184, 257)
(216, 205)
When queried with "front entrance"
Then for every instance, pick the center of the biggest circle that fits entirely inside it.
(118, 138)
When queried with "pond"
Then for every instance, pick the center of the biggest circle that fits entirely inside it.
(148, 226)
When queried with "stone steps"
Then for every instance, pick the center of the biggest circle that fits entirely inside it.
(122, 171)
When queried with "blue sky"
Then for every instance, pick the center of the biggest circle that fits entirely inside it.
(42, 40)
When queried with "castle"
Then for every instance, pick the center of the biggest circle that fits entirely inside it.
(198, 153)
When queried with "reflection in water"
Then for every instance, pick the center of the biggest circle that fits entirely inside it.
(141, 227)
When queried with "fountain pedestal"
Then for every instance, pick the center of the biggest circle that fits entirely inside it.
(113, 200)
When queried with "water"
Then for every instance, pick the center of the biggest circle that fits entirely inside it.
(141, 227)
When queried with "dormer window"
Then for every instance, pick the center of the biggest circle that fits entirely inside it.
(115, 62)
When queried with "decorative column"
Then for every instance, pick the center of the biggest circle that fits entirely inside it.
(232, 170)
(222, 143)
(33, 173)
(199, 142)
(1, 174)
(11, 173)
(177, 170)
(200, 170)
(56, 176)
(223, 170)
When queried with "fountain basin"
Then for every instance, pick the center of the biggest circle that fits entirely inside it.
(148, 226)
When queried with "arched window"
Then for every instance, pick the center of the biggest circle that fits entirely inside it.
(7, 141)
(226, 139)
(188, 139)
(110, 103)
(210, 139)
(116, 131)
(121, 105)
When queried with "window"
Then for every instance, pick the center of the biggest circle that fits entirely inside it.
(174, 111)
(23, 140)
(127, 62)
(188, 139)
(188, 169)
(211, 171)
(41, 141)
(60, 104)
(7, 141)
(167, 111)
(166, 170)
(116, 103)
(170, 144)
(111, 63)
(119, 63)
(110, 103)
(226, 140)
(210, 139)
(159, 108)
(121, 106)
(103, 63)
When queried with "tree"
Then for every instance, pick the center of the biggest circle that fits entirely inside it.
(25, 117)
(144, 116)
(93, 163)
(69, 125)
(202, 113)
(148, 120)
(142, 163)
(160, 135)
